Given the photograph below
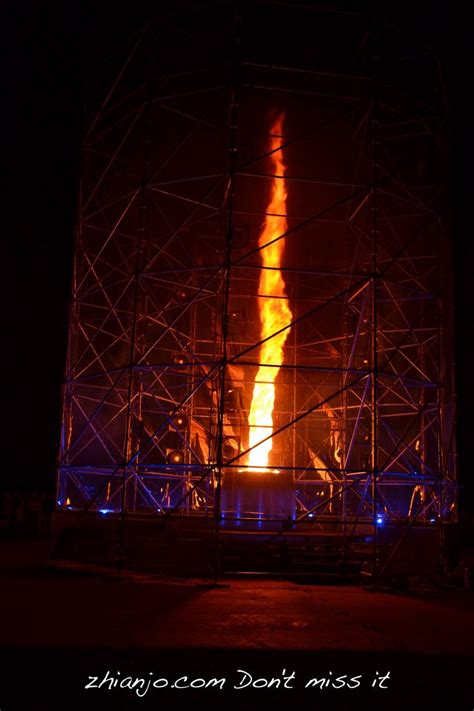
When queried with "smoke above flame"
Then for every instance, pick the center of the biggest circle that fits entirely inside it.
(273, 308)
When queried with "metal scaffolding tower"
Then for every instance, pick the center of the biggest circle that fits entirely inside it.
(164, 325)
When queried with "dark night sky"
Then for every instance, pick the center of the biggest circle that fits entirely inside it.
(48, 48)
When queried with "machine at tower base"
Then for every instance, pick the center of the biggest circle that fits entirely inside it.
(259, 499)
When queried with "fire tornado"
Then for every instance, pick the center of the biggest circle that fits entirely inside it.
(274, 311)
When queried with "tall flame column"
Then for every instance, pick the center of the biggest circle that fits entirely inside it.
(274, 311)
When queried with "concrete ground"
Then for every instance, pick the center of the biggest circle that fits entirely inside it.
(62, 623)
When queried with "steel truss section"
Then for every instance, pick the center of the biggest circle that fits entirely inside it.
(164, 326)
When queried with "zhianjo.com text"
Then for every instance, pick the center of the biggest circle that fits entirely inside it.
(240, 680)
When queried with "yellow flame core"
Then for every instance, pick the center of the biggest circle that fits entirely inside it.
(273, 307)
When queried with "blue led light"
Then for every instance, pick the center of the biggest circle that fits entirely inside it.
(310, 515)
(104, 511)
(379, 521)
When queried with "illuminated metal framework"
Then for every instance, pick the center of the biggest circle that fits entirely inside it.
(164, 325)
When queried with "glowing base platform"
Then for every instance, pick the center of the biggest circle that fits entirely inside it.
(257, 494)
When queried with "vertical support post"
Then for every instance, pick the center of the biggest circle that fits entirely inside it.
(233, 113)
(191, 380)
(345, 410)
(439, 409)
(135, 308)
(374, 315)
(62, 457)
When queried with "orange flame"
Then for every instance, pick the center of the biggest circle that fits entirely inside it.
(273, 308)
